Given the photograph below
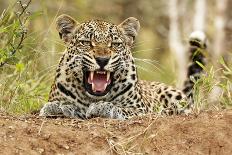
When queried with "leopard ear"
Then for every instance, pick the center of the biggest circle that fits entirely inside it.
(65, 25)
(130, 27)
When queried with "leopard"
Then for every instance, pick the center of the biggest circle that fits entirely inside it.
(97, 75)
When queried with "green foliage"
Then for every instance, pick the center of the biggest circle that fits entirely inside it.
(12, 31)
(214, 89)
(22, 91)
(22, 88)
(226, 85)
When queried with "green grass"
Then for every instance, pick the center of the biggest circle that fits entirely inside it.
(23, 91)
(214, 89)
(22, 87)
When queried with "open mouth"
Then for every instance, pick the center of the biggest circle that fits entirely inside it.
(98, 83)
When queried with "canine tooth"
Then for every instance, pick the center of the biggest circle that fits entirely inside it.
(105, 86)
(108, 76)
(91, 76)
(93, 87)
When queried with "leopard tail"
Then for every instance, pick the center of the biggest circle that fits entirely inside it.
(197, 51)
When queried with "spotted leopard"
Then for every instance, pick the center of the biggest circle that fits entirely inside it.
(97, 75)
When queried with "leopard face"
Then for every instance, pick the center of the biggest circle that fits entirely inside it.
(99, 53)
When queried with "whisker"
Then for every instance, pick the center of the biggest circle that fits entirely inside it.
(136, 44)
(142, 68)
(149, 60)
(151, 63)
(149, 50)
(153, 69)
(142, 51)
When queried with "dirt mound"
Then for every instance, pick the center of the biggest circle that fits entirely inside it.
(207, 133)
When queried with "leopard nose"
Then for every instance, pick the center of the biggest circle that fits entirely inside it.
(102, 62)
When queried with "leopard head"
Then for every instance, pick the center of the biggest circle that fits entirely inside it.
(101, 50)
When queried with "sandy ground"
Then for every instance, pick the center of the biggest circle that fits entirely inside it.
(207, 133)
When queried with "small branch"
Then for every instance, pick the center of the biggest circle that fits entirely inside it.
(23, 30)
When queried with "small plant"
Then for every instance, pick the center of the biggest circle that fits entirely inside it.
(22, 87)
(226, 85)
(214, 89)
(13, 32)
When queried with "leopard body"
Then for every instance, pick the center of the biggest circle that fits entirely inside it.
(99, 48)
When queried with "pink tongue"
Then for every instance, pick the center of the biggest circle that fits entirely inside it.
(99, 81)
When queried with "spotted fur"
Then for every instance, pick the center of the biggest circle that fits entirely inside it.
(127, 96)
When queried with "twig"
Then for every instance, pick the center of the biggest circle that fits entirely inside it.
(23, 30)
(41, 126)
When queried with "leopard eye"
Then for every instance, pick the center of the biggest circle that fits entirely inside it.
(85, 42)
(116, 44)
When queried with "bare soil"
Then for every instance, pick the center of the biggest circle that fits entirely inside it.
(207, 133)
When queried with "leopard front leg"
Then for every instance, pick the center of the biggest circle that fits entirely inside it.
(51, 109)
(109, 110)
(56, 108)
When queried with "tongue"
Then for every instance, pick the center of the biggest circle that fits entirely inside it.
(99, 82)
